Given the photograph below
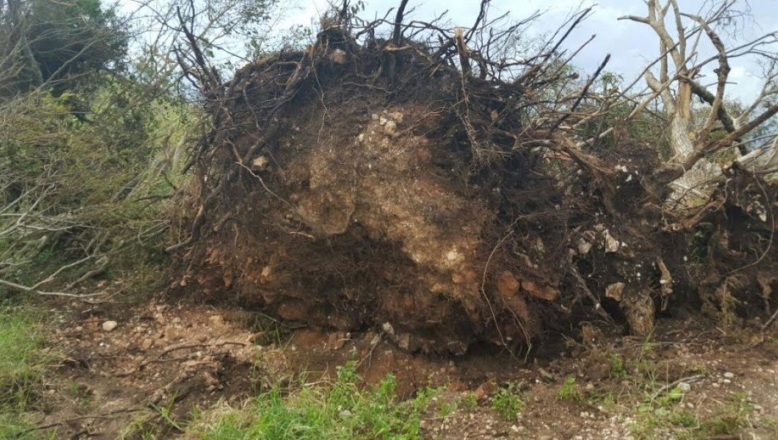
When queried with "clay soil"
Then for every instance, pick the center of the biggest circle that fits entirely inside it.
(165, 361)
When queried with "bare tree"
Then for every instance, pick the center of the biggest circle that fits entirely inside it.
(680, 36)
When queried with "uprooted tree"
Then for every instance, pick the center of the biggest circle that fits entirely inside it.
(678, 83)
(438, 183)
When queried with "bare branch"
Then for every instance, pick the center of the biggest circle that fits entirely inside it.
(722, 74)
(26, 289)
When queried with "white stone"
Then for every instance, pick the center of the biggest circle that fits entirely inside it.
(259, 163)
(611, 244)
(110, 325)
(584, 246)
(390, 127)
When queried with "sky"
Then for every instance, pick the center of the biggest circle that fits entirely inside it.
(632, 45)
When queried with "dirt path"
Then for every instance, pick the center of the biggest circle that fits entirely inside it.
(163, 361)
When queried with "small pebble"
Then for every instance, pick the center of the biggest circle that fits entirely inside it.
(109, 325)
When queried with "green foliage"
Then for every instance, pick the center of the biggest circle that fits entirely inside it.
(733, 418)
(342, 410)
(22, 365)
(60, 44)
(92, 181)
(469, 402)
(617, 366)
(664, 415)
(507, 402)
(569, 391)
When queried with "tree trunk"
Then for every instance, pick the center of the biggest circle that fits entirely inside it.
(690, 188)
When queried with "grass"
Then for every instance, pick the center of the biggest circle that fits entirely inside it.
(569, 391)
(618, 369)
(340, 410)
(507, 402)
(22, 365)
(733, 418)
(664, 415)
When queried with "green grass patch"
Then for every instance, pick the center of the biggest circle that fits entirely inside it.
(340, 410)
(731, 419)
(665, 416)
(618, 369)
(22, 365)
(507, 402)
(569, 391)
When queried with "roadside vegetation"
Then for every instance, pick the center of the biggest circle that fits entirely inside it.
(24, 363)
(343, 409)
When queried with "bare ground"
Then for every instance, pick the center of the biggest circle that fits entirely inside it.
(163, 361)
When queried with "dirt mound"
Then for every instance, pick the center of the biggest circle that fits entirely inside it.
(427, 190)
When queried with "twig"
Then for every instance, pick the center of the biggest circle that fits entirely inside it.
(770, 321)
(22, 288)
(670, 386)
(98, 416)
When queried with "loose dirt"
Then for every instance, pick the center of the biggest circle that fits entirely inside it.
(165, 361)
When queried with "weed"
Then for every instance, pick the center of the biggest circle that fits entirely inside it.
(683, 419)
(423, 398)
(732, 419)
(470, 401)
(569, 391)
(700, 369)
(22, 364)
(447, 408)
(166, 414)
(647, 346)
(507, 402)
(662, 416)
(618, 370)
(342, 410)
(771, 425)
(647, 369)
(607, 400)
(81, 394)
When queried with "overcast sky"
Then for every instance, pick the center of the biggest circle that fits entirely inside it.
(632, 45)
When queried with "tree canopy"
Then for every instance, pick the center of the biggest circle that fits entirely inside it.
(61, 45)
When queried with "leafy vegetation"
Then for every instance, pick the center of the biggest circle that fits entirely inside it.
(507, 402)
(342, 410)
(60, 45)
(569, 391)
(22, 366)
